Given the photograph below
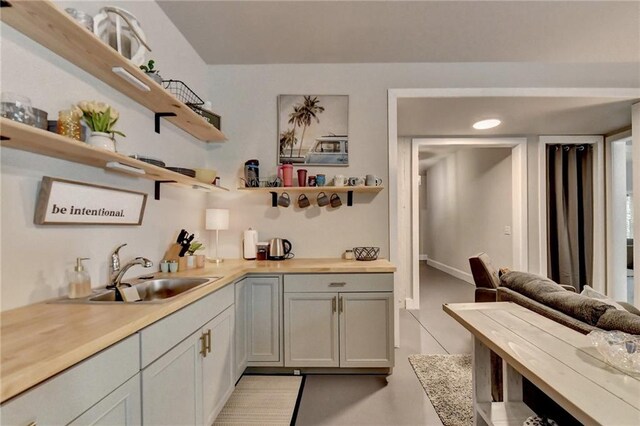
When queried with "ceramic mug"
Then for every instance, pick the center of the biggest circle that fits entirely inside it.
(164, 266)
(284, 200)
(312, 181)
(303, 201)
(322, 199)
(321, 180)
(173, 266)
(335, 200)
(302, 177)
(338, 180)
(373, 180)
(355, 181)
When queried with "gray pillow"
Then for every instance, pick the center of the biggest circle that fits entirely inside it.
(529, 285)
(615, 319)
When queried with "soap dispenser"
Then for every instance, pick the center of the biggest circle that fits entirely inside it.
(79, 280)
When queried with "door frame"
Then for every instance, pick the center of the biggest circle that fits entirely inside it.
(599, 240)
(393, 95)
(519, 220)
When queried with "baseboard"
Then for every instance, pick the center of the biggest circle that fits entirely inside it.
(423, 257)
(462, 275)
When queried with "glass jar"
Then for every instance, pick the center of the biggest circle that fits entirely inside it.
(69, 124)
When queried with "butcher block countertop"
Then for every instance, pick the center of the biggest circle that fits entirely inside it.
(41, 340)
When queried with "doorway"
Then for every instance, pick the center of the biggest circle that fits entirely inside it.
(515, 229)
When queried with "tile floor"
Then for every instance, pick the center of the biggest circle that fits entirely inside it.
(371, 400)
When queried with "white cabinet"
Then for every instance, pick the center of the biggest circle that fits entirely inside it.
(311, 330)
(69, 394)
(338, 320)
(264, 321)
(241, 329)
(120, 407)
(189, 382)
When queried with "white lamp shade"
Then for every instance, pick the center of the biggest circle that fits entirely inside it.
(217, 219)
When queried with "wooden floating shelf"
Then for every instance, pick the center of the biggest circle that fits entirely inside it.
(27, 138)
(317, 189)
(314, 190)
(47, 24)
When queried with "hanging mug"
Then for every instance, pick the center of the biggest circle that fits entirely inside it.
(284, 200)
(303, 201)
(322, 199)
(335, 200)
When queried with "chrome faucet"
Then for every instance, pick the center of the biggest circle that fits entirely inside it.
(115, 264)
(116, 281)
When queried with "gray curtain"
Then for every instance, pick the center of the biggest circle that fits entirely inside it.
(570, 214)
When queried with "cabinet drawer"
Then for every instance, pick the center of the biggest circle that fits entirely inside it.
(296, 283)
(65, 396)
(163, 335)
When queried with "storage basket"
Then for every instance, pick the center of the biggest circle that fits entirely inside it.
(366, 253)
(182, 92)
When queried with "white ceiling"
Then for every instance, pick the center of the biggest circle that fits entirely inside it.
(519, 115)
(267, 32)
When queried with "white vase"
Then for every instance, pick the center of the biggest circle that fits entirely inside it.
(102, 140)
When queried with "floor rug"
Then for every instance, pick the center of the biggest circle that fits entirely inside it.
(447, 381)
(261, 400)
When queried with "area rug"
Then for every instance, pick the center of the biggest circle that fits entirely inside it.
(447, 381)
(261, 400)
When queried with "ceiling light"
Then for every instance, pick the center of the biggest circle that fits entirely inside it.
(486, 124)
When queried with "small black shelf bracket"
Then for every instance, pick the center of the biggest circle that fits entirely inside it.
(4, 138)
(157, 189)
(4, 3)
(274, 199)
(349, 198)
(159, 115)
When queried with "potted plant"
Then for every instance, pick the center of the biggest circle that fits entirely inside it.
(150, 70)
(198, 260)
(100, 118)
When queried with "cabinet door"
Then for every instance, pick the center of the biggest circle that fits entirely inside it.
(172, 385)
(241, 331)
(311, 330)
(366, 329)
(218, 376)
(264, 320)
(121, 407)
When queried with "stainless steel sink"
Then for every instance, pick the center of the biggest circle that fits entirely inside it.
(154, 290)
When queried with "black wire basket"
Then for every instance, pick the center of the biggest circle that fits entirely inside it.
(366, 253)
(182, 92)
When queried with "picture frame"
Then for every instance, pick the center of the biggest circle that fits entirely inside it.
(66, 202)
(313, 130)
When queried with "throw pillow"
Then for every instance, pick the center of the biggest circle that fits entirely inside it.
(579, 307)
(590, 292)
(529, 285)
(614, 319)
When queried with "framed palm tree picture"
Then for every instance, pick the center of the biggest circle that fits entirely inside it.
(313, 130)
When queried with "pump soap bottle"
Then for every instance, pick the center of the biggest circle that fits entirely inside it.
(79, 280)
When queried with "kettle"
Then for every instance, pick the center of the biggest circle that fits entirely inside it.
(279, 249)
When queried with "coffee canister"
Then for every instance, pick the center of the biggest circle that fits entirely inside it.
(252, 173)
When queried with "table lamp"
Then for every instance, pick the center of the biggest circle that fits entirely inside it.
(217, 220)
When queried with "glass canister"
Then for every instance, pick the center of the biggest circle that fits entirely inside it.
(252, 173)
(69, 124)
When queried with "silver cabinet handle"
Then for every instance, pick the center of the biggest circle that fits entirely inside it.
(337, 284)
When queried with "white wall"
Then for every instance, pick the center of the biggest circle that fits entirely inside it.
(35, 258)
(468, 204)
(246, 95)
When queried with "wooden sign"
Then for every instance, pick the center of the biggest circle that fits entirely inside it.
(65, 202)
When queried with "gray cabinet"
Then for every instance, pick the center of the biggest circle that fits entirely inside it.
(241, 345)
(69, 394)
(120, 407)
(338, 320)
(264, 320)
(311, 330)
(190, 383)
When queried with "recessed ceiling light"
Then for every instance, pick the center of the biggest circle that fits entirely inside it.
(486, 124)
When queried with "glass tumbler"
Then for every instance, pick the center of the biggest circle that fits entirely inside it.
(17, 108)
(69, 124)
